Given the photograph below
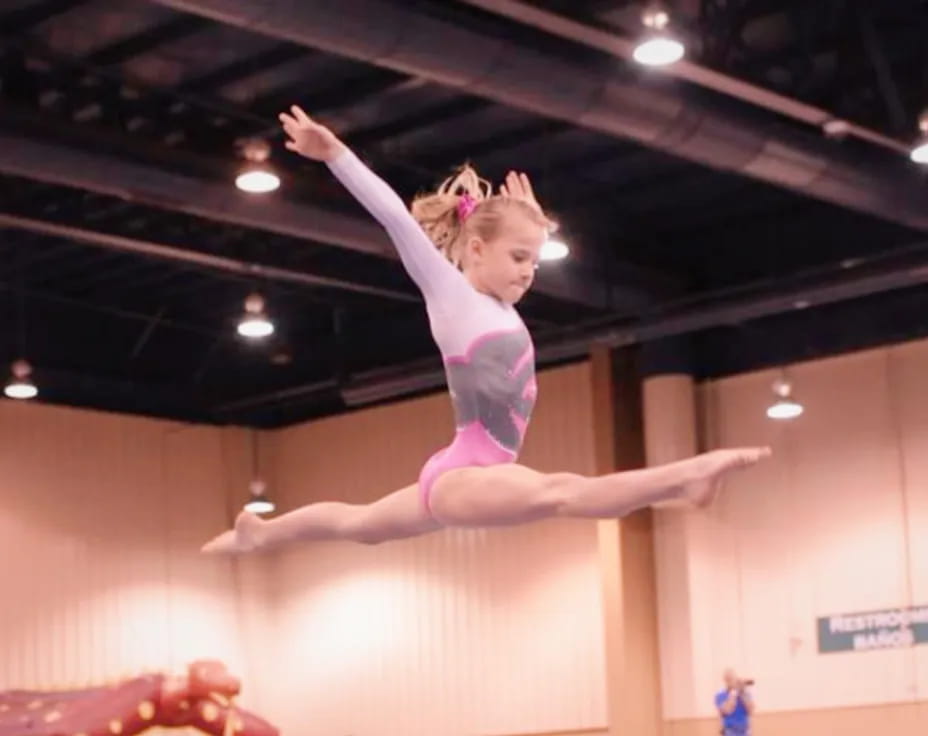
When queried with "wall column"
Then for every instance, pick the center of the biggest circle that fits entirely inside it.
(626, 555)
(670, 434)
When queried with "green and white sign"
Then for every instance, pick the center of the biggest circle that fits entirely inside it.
(859, 632)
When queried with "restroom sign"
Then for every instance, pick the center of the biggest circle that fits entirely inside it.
(892, 628)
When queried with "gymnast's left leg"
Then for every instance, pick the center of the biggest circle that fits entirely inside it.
(500, 495)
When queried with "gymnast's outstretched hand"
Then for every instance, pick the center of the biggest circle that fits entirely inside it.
(309, 138)
(518, 186)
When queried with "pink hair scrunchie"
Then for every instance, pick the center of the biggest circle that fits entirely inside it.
(466, 206)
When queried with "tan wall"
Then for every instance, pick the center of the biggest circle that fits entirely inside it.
(836, 523)
(497, 632)
(461, 632)
(101, 518)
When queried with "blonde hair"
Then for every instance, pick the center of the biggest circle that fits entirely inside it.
(439, 213)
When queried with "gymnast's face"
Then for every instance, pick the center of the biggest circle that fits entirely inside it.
(504, 266)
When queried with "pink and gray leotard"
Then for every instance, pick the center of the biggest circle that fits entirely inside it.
(487, 350)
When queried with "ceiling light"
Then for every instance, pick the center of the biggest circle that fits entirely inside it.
(257, 177)
(920, 151)
(658, 51)
(658, 47)
(255, 323)
(20, 385)
(836, 128)
(785, 406)
(553, 250)
(259, 503)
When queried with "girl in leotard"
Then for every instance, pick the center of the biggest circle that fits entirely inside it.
(472, 254)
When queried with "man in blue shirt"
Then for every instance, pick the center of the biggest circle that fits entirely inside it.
(735, 705)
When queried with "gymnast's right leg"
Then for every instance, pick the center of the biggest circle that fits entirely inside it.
(396, 516)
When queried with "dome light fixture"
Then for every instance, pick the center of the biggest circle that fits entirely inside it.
(919, 152)
(785, 407)
(658, 47)
(259, 503)
(257, 176)
(255, 324)
(20, 385)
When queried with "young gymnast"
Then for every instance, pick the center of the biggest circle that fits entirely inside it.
(472, 254)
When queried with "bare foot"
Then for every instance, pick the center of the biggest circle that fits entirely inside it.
(247, 536)
(709, 468)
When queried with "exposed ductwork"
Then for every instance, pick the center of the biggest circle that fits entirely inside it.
(656, 115)
(66, 166)
(624, 48)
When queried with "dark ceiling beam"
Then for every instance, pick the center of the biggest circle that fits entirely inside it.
(328, 101)
(96, 307)
(125, 107)
(273, 398)
(432, 115)
(69, 270)
(146, 333)
(19, 83)
(131, 275)
(148, 40)
(754, 10)
(899, 120)
(690, 188)
(339, 94)
(831, 43)
(381, 100)
(608, 175)
(500, 142)
(51, 254)
(725, 215)
(720, 29)
(804, 21)
(277, 55)
(25, 18)
(208, 261)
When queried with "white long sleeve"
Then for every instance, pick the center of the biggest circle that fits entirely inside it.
(427, 266)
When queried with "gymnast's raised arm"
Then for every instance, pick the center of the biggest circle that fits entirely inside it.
(432, 272)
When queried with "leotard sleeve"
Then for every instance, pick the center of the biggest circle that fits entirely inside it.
(435, 276)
